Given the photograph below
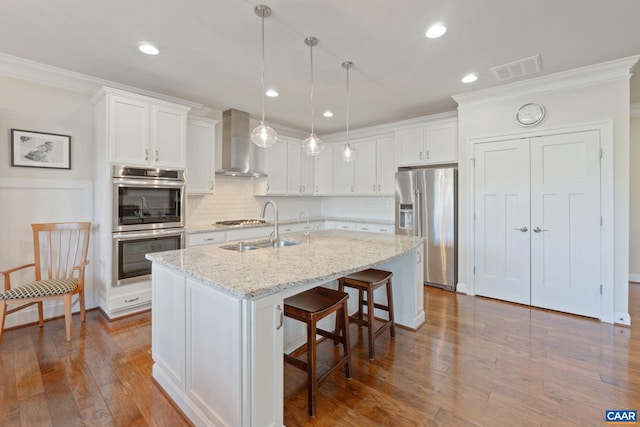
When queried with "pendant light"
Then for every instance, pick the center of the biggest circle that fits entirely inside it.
(347, 152)
(312, 145)
(263, 135)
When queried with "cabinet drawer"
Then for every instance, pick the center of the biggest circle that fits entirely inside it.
(206, 238)
(130, 300)
(375, 228)
(345, 225)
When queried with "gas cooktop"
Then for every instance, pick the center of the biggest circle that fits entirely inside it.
(242, 222)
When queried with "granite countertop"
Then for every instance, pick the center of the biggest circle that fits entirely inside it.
(329, 255)
(206, 228)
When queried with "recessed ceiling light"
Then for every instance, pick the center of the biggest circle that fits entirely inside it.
(436, 31)
(271, 93)
(470, 78)
(328, 113)
(148, 49)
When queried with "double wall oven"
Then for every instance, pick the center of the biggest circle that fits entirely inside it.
(148, 216)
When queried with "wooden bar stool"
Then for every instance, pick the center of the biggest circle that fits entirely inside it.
(310, 307)
(367, 281)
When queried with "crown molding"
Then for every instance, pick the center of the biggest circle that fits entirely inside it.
(580, 77)
(635, 109)
(24, 69)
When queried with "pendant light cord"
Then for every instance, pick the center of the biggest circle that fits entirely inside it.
(262, 79)
(347, 67)
(311, 53)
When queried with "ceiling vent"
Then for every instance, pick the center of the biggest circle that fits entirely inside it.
(516, 69)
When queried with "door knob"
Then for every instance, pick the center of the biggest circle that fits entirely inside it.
(524, 229)
(538, 230)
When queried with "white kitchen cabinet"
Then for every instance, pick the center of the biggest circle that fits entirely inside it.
(275, 166)
(343, 174)
(300, 169)
(248, 233)
(301, 227)
(323, 172)
(374, 167)
(209, 238)
(143, 131)
(247, 368)
(345, 225)
(432, 143)
(375, 228)
(201, 150)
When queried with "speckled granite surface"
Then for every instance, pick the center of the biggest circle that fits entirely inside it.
(329, 255)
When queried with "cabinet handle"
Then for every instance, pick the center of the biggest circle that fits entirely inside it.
(211, 185)
(156, 155)
(299, 188)
(267, 187)
(316, 188)
(132, 300)
(352, 188)
(146, 154)
(365, 228)
(374, 188)
(281, 318)
(419, 257)
(421, 155)
(208, 239)
(378, 188)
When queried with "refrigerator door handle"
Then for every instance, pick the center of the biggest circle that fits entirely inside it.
(417, 222)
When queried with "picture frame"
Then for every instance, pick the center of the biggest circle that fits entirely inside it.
(40, 149)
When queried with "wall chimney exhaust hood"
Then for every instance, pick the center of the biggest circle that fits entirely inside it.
(237, 149)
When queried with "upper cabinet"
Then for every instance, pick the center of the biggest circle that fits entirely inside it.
(275, 166)
(201, 149)
(343, 174)
(300, 168)
(143, 131)
(432, 143)
(374, 167)
(323, 172)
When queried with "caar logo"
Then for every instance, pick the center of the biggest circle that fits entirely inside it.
(627, 416)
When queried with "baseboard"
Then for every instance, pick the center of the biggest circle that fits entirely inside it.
(634, 277)
(622, 318)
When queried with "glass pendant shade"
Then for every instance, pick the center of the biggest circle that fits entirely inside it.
(313, 145)
(264, 135)
(347, 153)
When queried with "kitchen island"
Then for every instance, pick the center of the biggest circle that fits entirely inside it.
(218, 329)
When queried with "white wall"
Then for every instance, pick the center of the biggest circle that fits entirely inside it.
(634, 208)
(578, 105)
(32, 195)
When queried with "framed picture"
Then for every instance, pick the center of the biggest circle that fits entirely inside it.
(40, 150)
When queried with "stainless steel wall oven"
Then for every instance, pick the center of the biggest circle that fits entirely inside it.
(148, 216)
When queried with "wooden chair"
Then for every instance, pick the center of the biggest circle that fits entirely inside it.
(60, 253)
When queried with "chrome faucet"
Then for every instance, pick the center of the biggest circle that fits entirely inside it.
(307, 236)
(276, 236)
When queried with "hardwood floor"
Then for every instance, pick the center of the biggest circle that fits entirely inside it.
(477, 362)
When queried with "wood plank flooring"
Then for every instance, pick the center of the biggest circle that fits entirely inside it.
(477, 362)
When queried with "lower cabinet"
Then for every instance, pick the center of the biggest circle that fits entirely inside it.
(198, 352)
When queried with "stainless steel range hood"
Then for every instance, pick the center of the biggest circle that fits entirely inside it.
(237, 150)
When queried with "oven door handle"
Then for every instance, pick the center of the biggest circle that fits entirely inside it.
(148, 182)
(130, 235)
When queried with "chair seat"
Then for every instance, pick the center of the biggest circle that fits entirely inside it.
(43, 288)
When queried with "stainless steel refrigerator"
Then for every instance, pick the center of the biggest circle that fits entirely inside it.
(426, 206)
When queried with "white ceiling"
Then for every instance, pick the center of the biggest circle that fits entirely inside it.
(210, 50)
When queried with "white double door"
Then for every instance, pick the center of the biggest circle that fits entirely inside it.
(537, 221)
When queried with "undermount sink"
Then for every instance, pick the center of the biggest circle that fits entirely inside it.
(248, 246)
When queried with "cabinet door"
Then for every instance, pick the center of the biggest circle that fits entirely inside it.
(128, 131)
(307, 174)
(342, 175)
(201, 149)
(323, 172)
(267, 361)
(364, 165)
(441, 145)
(294, 167)
(168, 136)
(275, 158)
(386, 167)
(409, 146)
